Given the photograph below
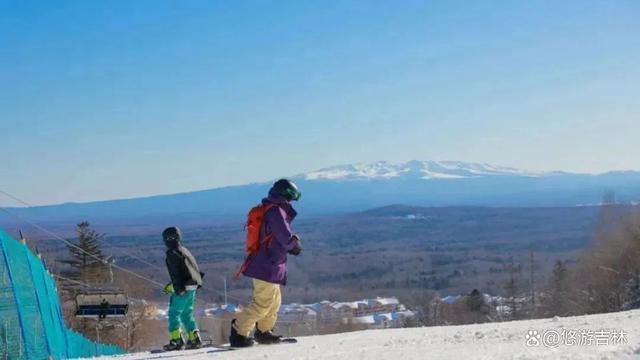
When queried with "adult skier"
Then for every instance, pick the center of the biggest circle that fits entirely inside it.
(186, 278)
(266, 264)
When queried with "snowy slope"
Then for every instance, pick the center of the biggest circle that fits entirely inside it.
(483, 341)
(416, 170)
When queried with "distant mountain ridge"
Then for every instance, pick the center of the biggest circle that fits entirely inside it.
(416, 169)
(358, 187)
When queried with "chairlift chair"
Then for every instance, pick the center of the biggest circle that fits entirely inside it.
(102, 304)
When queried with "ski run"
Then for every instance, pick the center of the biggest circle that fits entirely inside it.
(602, 336)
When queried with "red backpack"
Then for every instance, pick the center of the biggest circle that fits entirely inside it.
(253, 227)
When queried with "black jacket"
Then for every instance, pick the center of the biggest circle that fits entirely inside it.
(183, 269)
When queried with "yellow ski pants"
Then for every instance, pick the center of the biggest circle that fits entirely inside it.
(263, 309)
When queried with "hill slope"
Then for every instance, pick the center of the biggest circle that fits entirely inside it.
(483, 341)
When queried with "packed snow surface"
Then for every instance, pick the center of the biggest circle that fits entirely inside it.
(603, 336)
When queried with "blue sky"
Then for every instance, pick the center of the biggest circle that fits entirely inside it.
(111, 99)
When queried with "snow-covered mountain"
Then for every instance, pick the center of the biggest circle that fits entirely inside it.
(602, 336)
(359, 187)
(416, 169)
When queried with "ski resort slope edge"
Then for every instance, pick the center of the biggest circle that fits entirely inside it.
(507, 340)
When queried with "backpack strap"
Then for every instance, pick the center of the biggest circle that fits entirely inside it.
(243, 267)
(268, 237)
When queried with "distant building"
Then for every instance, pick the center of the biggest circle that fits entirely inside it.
(220, 311)
(334, 316)
(323, 317)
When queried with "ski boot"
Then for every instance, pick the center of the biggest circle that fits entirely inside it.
(267, 337)
(194, 341)
(236, 340)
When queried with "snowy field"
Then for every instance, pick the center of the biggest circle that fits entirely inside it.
(605, 336)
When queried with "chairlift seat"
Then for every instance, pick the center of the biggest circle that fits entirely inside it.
(102, 305)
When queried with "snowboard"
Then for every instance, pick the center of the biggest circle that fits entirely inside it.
(284, 340)
(208, 349)
(287, 340)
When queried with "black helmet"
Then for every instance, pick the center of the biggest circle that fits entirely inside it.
(172, 236)
(286, 188)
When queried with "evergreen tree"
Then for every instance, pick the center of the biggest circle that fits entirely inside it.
(557, 301)
(475, 301)
(86, 262)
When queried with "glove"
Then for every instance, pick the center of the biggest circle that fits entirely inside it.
(298, 248)
(168, 289)
(202, 277)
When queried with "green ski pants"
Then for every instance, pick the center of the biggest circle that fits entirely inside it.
(181, 311)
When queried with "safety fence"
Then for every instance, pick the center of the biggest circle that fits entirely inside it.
(31, 321)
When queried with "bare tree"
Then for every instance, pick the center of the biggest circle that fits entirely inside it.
(607, 277)
(532, 283)
(512, 287)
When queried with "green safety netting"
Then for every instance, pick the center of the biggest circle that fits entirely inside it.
(31, 321)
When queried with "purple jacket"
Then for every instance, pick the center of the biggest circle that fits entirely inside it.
(270, 262)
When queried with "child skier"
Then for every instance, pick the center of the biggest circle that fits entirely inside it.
(267, 266)
(186, 278)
